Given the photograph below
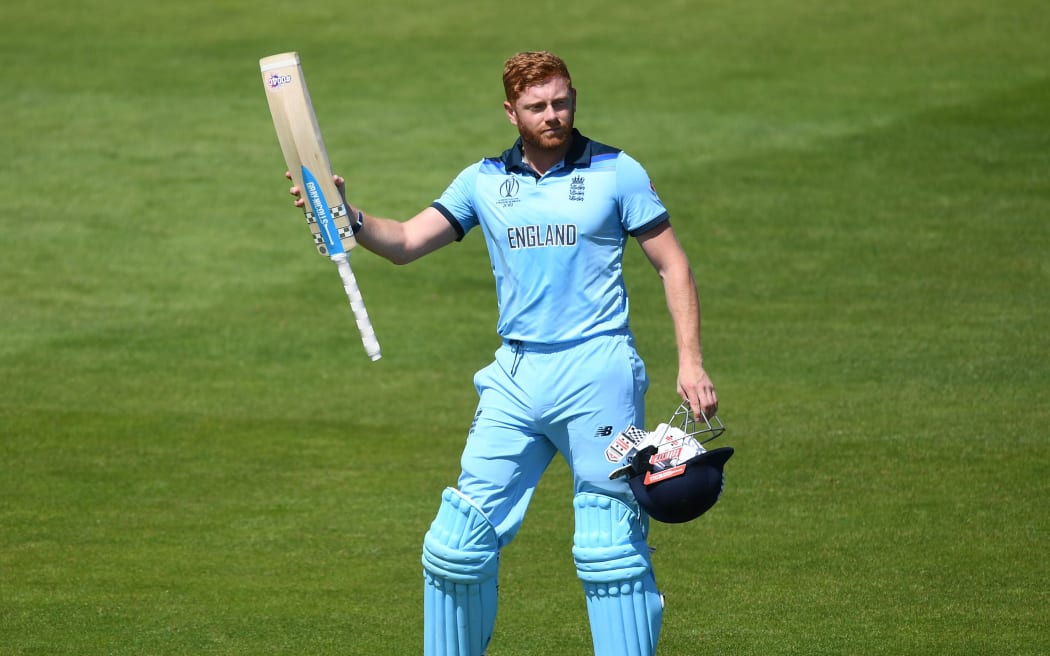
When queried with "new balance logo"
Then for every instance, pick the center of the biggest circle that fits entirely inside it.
(603, 431)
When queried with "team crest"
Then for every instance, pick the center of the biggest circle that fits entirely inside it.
(576, 188)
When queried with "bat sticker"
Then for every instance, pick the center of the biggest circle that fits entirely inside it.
(322, 214)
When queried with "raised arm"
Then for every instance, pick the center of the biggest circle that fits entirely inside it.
(400, 242)
(665, 253)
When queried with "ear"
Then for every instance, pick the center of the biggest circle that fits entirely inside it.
(512, 116)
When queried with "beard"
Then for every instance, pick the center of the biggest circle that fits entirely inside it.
(548, 138)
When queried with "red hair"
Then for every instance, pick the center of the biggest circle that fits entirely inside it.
(527, 69)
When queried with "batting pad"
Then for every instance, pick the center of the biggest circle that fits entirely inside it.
(612, 560)
(460, 567)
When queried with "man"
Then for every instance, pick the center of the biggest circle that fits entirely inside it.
(555, 210)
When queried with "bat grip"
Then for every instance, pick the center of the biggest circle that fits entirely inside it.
(357, 304)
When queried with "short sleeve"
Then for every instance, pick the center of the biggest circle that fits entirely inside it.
(640, 206)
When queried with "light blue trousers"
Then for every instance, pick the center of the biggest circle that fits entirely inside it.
(536, 401)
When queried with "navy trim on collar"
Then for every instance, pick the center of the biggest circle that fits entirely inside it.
(581, 151)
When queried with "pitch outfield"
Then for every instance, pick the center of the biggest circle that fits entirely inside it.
(196, 457)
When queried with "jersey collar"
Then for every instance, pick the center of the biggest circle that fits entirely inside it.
(578, 156)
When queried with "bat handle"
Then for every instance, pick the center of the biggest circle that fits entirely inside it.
(357, 304)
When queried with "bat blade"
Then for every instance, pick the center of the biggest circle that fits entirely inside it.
(304, 152)
(307, 160)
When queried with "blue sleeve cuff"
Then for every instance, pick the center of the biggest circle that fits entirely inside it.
(451, 219)
(659, 220)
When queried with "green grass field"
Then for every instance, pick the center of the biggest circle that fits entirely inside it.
(196, 457)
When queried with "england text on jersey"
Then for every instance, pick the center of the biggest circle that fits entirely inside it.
(538, 236)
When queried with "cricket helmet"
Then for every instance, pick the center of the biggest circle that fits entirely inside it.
(684, 492)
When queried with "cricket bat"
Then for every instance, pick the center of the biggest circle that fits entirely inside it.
(307, 160)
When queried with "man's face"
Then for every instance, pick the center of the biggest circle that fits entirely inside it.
(544, 114)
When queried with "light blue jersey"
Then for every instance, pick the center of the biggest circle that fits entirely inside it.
(556, 241)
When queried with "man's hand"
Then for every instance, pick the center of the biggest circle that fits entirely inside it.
(696, 388)
(295, 191)
(340, 184)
